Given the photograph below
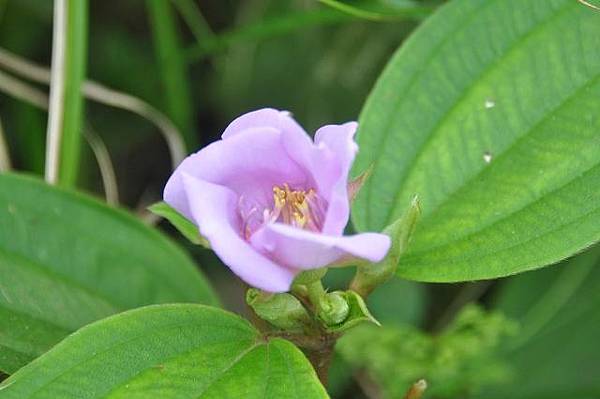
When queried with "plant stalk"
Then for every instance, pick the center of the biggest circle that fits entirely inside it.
(57, 92)
(5, 164)
(65, 112)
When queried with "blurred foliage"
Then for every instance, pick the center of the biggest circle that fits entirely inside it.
(557, 353)
(321, 66)
(459, 361)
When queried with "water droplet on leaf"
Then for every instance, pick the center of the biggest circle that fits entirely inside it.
(487, 157)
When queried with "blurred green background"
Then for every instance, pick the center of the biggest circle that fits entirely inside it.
(237, 56)
(202, 63)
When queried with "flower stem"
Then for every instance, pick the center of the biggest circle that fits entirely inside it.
(321, 358)
(318, 348)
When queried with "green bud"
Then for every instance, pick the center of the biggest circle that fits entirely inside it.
(351, 311)
(370, 275)
(283, 311)
(333, 309)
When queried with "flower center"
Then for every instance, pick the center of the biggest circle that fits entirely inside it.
(299, 208)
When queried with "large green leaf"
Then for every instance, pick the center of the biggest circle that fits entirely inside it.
(490, 113)
(168, 351)
(557, 353)
(67, 260)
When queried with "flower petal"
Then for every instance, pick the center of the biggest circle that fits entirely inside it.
(250, 164)
(339, 139)
(213, 209)
(266, 117)
(328, 160)
(302, 249)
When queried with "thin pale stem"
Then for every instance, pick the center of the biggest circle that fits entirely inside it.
(57, 92)
(107, 171)
(18, 89)
(93, 91)
(35, 97)
(5, 164)
(102, 94)
(590, 5)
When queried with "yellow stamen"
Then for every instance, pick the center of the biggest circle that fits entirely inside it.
(292, 206)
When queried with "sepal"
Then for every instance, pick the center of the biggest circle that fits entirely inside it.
(355, 311)
(283, 311)
(356, 184)
(188, 229)
(370, 275)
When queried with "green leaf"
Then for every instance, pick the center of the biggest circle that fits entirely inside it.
(183, 225)
(67, 260)
(168, 351)
(267, 28)
(173, 68)
(489, 113)
(192, 15)
(381, 10)
(556, 355)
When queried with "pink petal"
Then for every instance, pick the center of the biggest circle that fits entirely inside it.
(302, 249)
(339, 139)
(328, 160)
(250, 164)
(266, 117)
(213, 209)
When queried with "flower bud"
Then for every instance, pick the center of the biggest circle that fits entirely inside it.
(333, 309)
(369, 276)
(283, 311)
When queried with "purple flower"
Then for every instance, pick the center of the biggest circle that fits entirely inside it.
(272, 202)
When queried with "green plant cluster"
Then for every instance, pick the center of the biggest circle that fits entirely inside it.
(459, 361)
